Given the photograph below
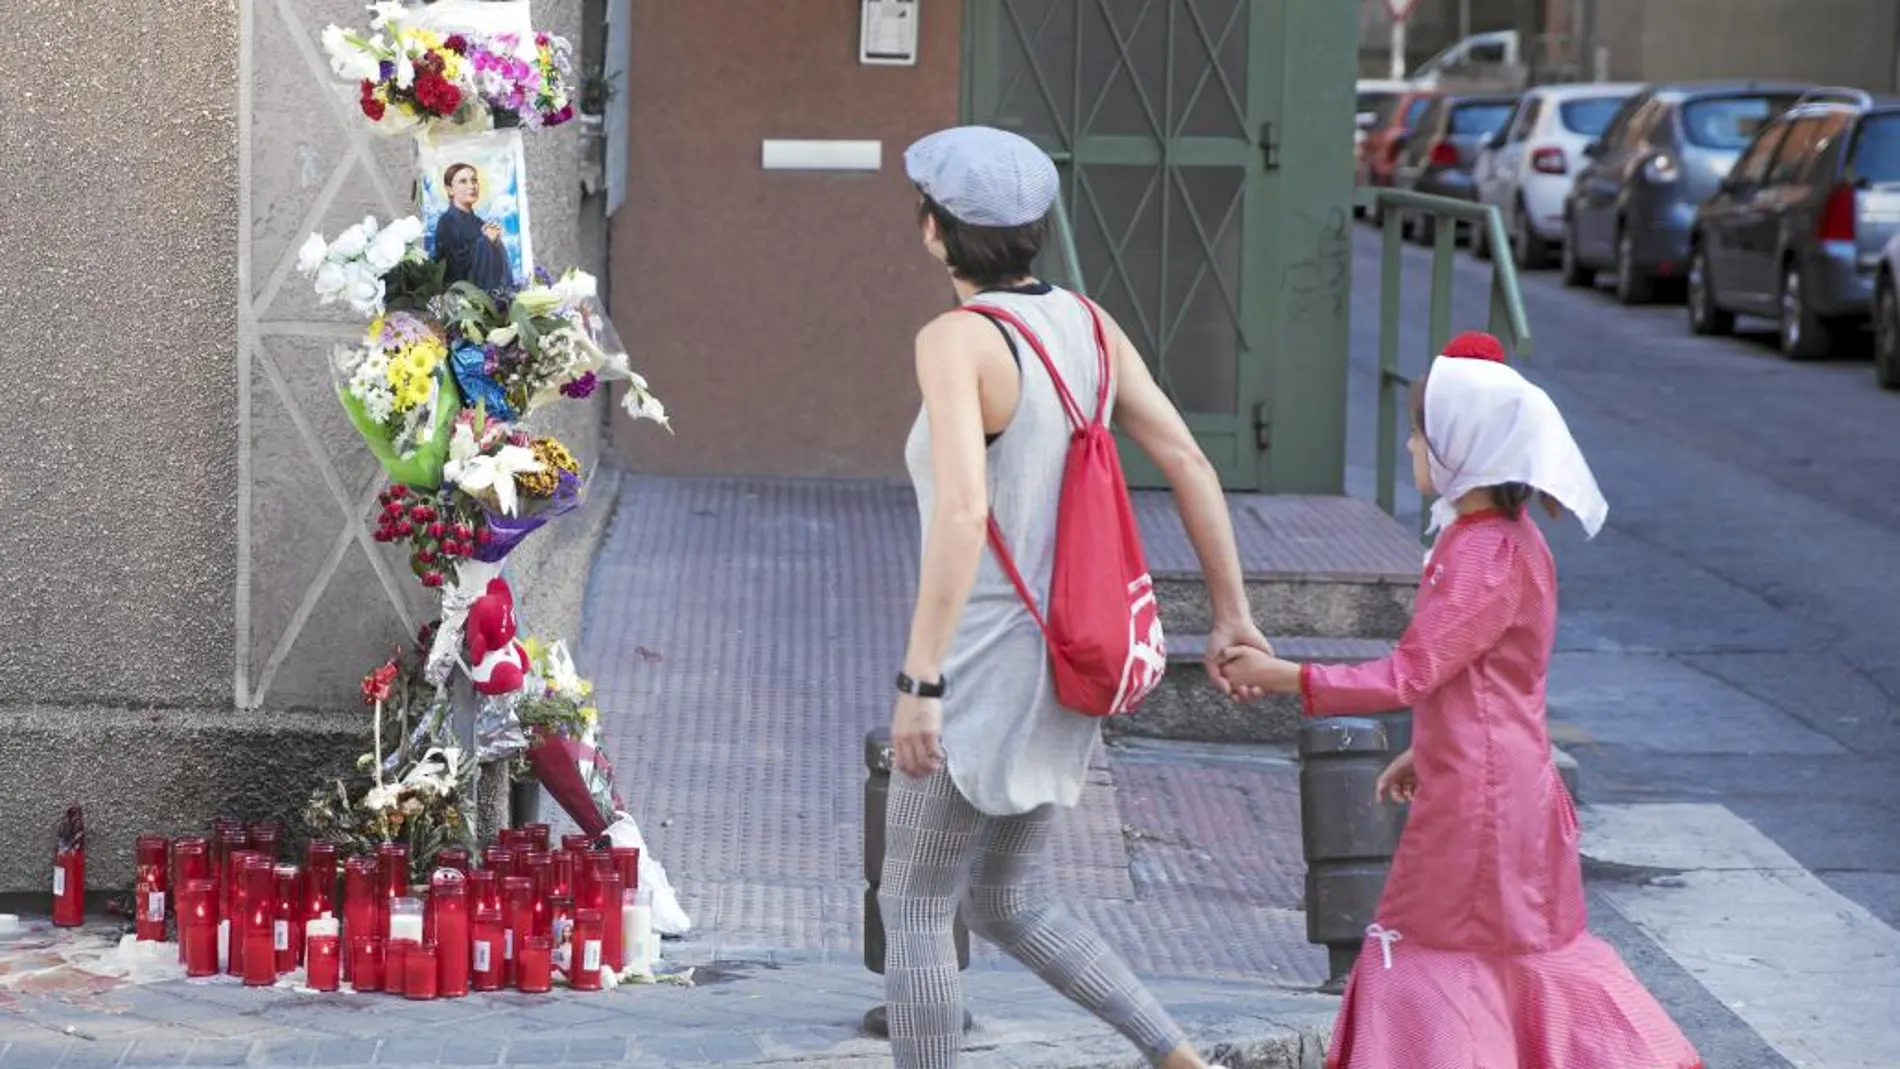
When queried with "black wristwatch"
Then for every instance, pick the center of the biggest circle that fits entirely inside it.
(907, 685)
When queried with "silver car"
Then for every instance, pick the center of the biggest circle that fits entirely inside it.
(1631, 209)
(1796, 231)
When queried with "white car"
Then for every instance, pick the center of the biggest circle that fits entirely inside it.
(1527, 167)
(1374, 95)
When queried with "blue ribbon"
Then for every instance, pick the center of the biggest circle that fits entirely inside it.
(470, 364)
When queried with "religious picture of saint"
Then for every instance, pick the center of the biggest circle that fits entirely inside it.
(474, 215)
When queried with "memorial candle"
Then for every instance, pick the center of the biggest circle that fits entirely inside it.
(561, 873)
(287, 935)
(191, 860)
(396, 965)
(267, 837)
(452, 857)
(484, 890)
(319, 880)
(448, 896)
(198, 926)
(321, 952)
(535, 970)
(237, 910)
(583, 972)
(392, 866)
(359, 905)
(537, 836)
(258, 906)
(366, 963)
(405, 919)
(420, 972)
(540, 874)
(576, 844)
(606, 902)
(499, 860)
(153, 854)
(517, 896)
(486, 971)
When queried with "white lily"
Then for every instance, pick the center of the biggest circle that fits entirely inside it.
(332, 281)
(350, 244)
(387, 13)
(405, 71)
(476, 472)
(435, 773)
(387, 250)
(365, 291)
(310, 256)
(642, 405)
(503, 336)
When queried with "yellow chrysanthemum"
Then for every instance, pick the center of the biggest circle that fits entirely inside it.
(554, 459)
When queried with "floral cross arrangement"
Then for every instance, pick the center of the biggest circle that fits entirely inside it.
(415, 78)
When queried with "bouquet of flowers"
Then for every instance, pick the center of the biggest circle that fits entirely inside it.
(564, 739)
(519, 482)
(420, 796)
(417, 77)
(397, 390)
(441, 528)
(353, 268)
(518, 352)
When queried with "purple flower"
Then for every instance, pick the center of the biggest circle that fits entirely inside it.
(543, 276)
(580, 388)
(559, 117)
(385, 70)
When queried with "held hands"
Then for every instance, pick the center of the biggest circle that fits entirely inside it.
(917, 735)
(1226, 638)
(1253, 673)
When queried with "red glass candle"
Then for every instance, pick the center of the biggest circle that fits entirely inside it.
(627, 864)
(191, 860)
(198, 926)
(392, 860)
(237, 908)
(359, 905)
(420, 972)
(583, 973)
(535, 970)
(153, 860)
(517, 896)
(537, 836)
(267, 838)
(324, 969)
(258, 908)
(485, 965)
(227, 838)
(453, 857)
(448, 896)
(484, 891)
(396, 965)
(540, 873)
(613, 951)
(520, 840)
(287, 933)
(560, 873)
(319, 880)
(576, 844)
(69, 887)
(367, 959)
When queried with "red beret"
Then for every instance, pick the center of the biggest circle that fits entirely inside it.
(1476, 345)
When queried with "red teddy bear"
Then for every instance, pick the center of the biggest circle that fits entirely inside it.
(497, 663)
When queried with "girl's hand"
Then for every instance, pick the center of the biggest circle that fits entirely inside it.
(1399, 781)
(917, 735)
(1253, 673)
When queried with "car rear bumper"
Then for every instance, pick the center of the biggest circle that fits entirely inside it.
(1838, 282)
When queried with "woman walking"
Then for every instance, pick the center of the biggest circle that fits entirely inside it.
(1479, 958)
(986, 752)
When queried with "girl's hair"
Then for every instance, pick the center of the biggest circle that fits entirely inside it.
(985, 256)
(448, 176)
(1509, 497)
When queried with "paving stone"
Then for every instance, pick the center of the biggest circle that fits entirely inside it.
(93, 1055)
(602, 1049)
(536, 1052)
(219, 1052)
(33, 1055)
(150, 1054)
(331, 1052)
(410, 1050)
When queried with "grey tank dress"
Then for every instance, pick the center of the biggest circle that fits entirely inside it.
(1010, 746)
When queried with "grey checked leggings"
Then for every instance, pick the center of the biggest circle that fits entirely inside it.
(936, 843)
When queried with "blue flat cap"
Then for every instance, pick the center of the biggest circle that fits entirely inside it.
(984, 176)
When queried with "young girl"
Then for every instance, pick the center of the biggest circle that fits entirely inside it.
(1479, 958)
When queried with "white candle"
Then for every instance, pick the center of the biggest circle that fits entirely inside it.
(405, 927)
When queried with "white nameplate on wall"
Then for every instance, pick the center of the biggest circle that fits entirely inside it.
(834, 155)
(888, 34)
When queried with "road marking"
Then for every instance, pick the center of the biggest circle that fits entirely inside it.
(1813, 973)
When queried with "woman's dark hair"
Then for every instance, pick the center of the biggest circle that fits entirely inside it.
(448, 176)
(985, 256)
(1509, 497)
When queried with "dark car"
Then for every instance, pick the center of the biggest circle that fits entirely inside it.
(1387, 137)
(1795, 232)
(1439, 157)
(1666, 151)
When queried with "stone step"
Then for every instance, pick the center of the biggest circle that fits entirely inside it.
(1187, 706)
(1332, 567)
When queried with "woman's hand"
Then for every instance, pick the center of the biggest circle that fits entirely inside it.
(917, 735)
(1227, 635)
(492, 231)
(1399, 781)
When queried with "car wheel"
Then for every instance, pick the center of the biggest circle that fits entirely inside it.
(1887, 334)
(1574, 272)
(1632, 285)
(1531, 251)
(1705, 316)
(1804, 335)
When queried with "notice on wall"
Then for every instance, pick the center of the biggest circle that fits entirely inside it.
(888, 36)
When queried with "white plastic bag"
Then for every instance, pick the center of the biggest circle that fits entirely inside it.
(668, 917)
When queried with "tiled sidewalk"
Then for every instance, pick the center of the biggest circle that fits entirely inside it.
(741, 634)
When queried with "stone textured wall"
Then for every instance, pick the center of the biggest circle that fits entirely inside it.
(193, 594)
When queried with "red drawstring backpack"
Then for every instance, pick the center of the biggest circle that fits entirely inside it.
(1103, 625)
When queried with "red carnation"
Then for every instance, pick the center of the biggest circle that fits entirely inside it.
(372, 107)
(376, 684)
(437, 94)
(456, 44)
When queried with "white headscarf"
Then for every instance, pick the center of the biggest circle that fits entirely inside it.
(1486, 425)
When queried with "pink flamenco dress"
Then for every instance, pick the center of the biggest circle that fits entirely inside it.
(1479, 958)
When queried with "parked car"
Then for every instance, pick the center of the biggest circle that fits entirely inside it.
(1797, 230)
(1386, 138)
(1373, 96)
(1668, 148)
(1526, 169)
(1483, 57)
(1438, 157)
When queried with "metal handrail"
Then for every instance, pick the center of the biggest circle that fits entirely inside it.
(1508, 319)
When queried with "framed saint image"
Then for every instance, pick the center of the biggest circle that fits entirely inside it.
(475, 208)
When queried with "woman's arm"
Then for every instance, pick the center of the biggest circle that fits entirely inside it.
(1152, 421)
(950, 354)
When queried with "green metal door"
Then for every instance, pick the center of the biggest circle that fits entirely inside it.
(1161, 117)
